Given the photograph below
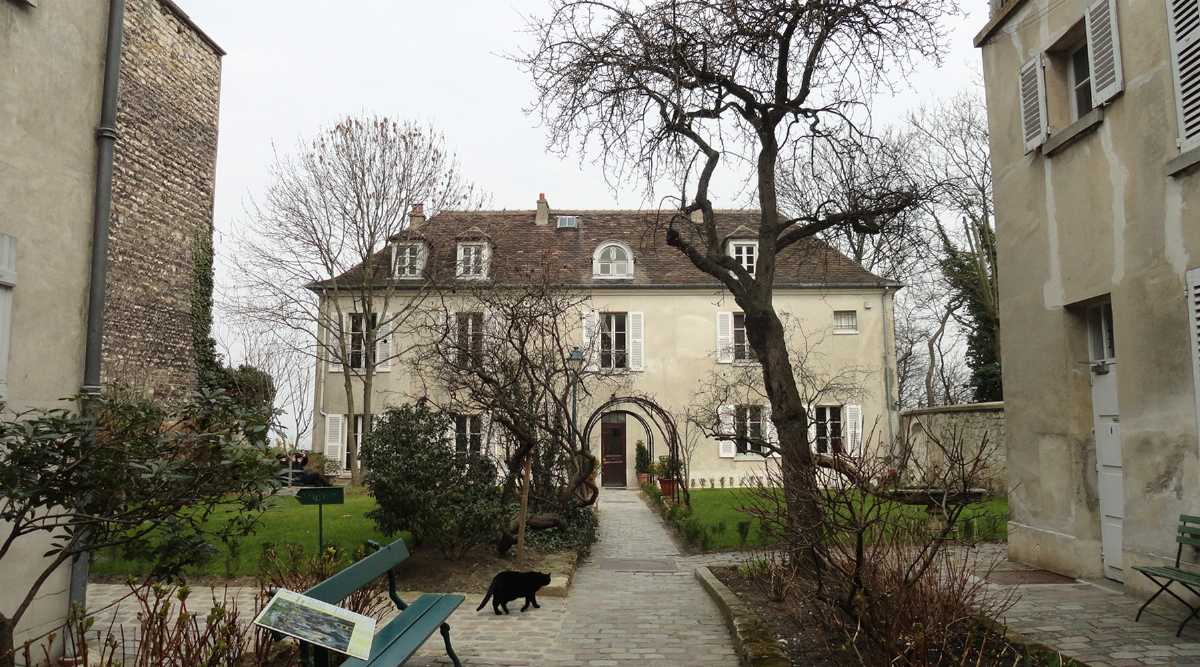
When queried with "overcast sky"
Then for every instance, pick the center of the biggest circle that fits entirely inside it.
(295, 66)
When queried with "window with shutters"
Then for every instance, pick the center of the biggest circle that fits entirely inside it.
(469, 341)
(358, 339)
(472, 260)
(741, 345)
(614, 341)
(746, 254)
(410, 260)
(1080, 82)
(828, 421)
(749, 429)
(1102, 339)
(360, 430)
(845, 321)
(468, 434)
(1183, 19)
(1193, 317)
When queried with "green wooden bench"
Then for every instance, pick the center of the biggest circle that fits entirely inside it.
(1187, 533)
(400, 637)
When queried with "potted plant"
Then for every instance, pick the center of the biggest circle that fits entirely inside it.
(643, 463)
(666, 473)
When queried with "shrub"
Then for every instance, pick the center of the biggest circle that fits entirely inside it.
(578, 532)
(643, 458)
(133, 464)
(449, 500)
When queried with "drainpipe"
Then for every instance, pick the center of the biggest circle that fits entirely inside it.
(887, 368)
(106, 139)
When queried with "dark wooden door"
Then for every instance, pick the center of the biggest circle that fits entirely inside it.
(612, 450)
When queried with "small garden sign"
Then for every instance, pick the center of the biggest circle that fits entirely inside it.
(321, 496)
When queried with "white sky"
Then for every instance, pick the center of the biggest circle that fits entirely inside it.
(295, 66)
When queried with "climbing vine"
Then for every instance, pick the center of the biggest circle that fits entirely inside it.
(209, 370)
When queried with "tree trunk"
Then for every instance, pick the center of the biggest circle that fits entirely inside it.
(8, 657)
(790, 417)
(522, 518)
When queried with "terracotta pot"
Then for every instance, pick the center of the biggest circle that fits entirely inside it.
(667, 486)
(643, 478)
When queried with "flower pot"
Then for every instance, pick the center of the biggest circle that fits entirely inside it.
(667, 486)
(643, 478)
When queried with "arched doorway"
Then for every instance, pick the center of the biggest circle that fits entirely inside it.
(615, 451)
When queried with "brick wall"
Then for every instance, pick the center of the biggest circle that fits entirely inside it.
(165, 168)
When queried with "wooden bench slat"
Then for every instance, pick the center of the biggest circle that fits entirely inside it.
(1172, 573)
(1187, 518)
(400, 638)
(361, 573)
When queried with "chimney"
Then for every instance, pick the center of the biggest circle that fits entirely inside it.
(543, 210)
(416, 218)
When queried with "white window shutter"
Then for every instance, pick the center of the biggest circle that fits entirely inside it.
(637, 342)
(1032, 85)
(726, 427)
(459, 266)
(853, 424)
(1193, 302)
(487, 260)
(812, 430)
(335, 437)
(1183, 17)
(8, 281)
(591, 323)
(335, 363)
(769, 430)
(1104, 50)
(383, 349)
(724, 338)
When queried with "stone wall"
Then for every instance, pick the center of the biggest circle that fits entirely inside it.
(971, 423)
(165, 169)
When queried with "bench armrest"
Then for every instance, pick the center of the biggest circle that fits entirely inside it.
(396, 599)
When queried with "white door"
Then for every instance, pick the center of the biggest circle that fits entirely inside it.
(1106, 427)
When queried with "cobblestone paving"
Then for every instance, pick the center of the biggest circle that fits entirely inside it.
(634, 601)
(1093, 623)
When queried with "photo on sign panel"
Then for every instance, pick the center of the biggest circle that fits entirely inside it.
(319, 623)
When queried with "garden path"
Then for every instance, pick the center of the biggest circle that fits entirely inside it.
(634, 601)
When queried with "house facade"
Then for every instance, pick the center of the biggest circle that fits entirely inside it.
(160, 143)
(654, 323)
(1094, 114)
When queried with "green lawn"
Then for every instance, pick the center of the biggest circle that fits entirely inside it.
(717, 513)
(286, 522)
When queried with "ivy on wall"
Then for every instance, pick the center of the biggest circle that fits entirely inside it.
(209, 370)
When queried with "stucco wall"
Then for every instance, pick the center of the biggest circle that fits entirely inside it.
(974, 425)
(680, 356)
(1102, 217)
(51, 71)
(51, 61)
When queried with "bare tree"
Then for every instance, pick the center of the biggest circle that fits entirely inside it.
(954, 151)
(505, 351)
(670, 88)
(314, 262)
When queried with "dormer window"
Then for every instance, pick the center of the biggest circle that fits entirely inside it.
(473, 260)
(746, 254)
(408, 260)
(568, 222)
(612, 260)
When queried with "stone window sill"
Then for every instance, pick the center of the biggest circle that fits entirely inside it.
(1184, 164)
(1073, 132)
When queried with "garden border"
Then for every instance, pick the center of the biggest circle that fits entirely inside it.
(752, 638)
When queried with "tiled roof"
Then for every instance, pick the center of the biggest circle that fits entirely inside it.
(519, 246)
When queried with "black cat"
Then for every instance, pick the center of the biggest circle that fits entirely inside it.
(508, 586)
